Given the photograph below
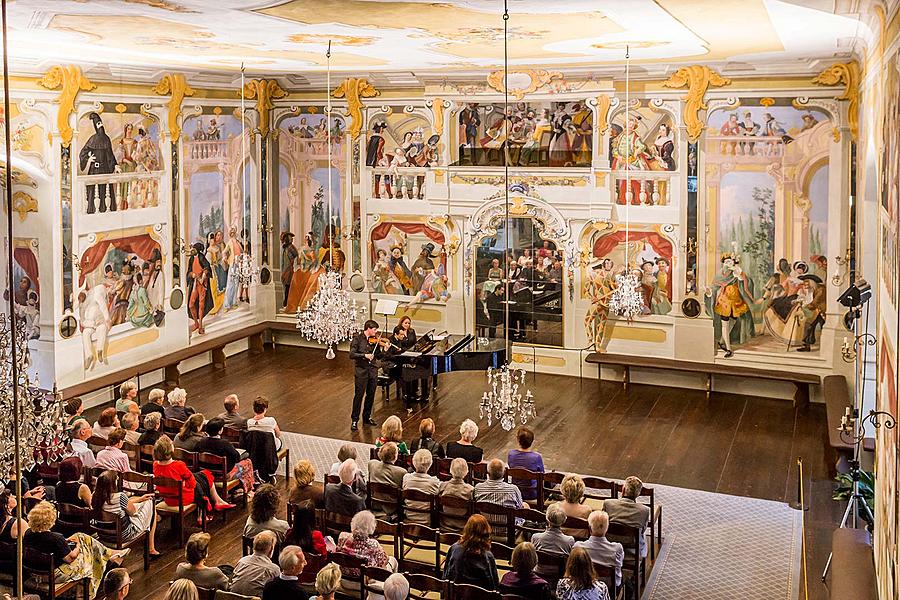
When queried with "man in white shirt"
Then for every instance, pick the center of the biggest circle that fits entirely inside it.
(81, 431)
(253, 572)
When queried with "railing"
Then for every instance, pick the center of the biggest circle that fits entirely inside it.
(399, 182)
(765, 146)
(207, 150)
(120, 191)
(296, 145)
(647, 188)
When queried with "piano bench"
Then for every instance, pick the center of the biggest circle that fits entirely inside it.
(384, 382)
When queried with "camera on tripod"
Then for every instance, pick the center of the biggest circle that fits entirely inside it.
(853, 298)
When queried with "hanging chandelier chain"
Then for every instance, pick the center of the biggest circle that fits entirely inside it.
(506, 246)
(328, 142)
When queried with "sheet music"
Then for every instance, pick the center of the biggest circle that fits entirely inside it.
(386, 307)
(411, 354)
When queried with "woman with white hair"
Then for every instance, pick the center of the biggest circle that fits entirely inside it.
(359, 542)
(553, 540)
(418, 511)
(177, 409)
(155, 400)
(454, 519)
(464, 448)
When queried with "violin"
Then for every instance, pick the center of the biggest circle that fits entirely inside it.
(382, 341)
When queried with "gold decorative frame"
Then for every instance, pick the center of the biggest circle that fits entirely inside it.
(354, 90)
(848, 75)
(698, 79)
(175, 86)
(263, 91)
(538, 79)
(72, 81)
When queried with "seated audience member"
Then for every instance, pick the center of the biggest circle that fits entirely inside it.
(191, 433)
(455, 486)
(306, 490)
(133, 408)
(9, 528)
(261, 422)
(423, 482)
(130, 425)
(136, 513)
(237, 467)
(152, 429)
(359, 542)
(287, 585)
(69, 488)
(182, 589)
(339, 497)
(128, 391)
(263, 508)
(383, 470)
(177, 409)
(116, 584)
(254, 571)
(470, 559)
(105, 423)
(303, 532)
(81, 431)
(600, 549)
(198, 490)
(392, 431)
(572, 490)
(580, 582)
(154, 403)
(344, 452)
(497, 491)
(328, 581)
(231, 417)
(628, 511)
(553, 540)
(525, 458)
(426, 440)
(396, 587)
(112, 457)
(522, 580)
(77, 557)
(463, 448)
(195, 569)
(74, 407)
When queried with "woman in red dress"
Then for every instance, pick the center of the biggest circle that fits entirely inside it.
(198, 488)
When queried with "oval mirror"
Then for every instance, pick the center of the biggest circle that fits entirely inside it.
(176, 299)
(357, 282)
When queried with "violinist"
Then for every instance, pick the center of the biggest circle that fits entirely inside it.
(365, 373)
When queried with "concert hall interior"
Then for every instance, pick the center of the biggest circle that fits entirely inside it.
(501, 299)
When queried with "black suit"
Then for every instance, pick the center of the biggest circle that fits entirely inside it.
(340, 498)
(365, 375)
(283, 589)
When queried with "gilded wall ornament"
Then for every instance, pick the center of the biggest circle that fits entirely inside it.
(263, 91)
(537, 78)
(698, 79)
(176, 87)
(354, 90)
(23, 203)
(72, 81)
(603, 104)
(437, 106)
(848, 75)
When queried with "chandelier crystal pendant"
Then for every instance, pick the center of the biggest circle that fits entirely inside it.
(40, 417)
(504, 401)
(626, 300)
(331, 315)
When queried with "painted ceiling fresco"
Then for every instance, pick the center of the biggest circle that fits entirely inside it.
(386, 35)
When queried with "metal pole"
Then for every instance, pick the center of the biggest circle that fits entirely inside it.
(12, 312)
(506, 249)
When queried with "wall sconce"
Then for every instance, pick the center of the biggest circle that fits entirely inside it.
(182, 247)
(842, 261)
(76, 261)
(877, 418)
(689, 246)
(850, 351)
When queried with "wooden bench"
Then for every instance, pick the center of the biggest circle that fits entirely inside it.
(799, 379)
(852, 565)
(837, 399)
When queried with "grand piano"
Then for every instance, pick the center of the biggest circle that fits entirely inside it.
(443, 354)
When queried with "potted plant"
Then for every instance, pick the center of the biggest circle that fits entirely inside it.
(866, 489)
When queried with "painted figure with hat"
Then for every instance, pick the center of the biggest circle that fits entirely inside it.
(375, 156)
(812, 309)
(97, 158)
(728, 301)
(289, 255)
(400, 270)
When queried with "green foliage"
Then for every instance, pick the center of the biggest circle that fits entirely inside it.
(755, 238)
(866, 488)
(213, 221)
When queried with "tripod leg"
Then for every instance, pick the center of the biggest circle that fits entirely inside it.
(850, 506)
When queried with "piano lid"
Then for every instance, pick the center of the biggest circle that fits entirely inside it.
(467, 343)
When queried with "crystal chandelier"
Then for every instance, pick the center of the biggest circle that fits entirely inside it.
(504, 401)
(40, 416)
(331, 316)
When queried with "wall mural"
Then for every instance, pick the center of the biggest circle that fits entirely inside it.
(214, 179)
(767, 188)
(26, 283)
(400, 147)
(119, 160)
(410, 259)
(547, 134)
(303, 177)
(121, 288)
(650, 259)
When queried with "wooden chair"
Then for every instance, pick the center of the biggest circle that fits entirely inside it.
(39, 574)
(373, 453)
(96, 443)
(502, 520)
(383, 499)
(503, 557)
(388, 535)
(314, 564)
(233, 436)
(133, 451)
(648, 498)
(467, 591)
(445, 540)
(577, 528)
(188, 458)
(171, 427)
(180, 512)
(633, 566)
(522, 479)
(218, 466)
(419, 505)
(334, 524)
(423, 540)
(551, 566)
(332, 479)
(135, 483)
(108, 529)
(374, 581)
(550, 489)
(597, 488)
(145, 463)
(206, 593)
(442, 468)
(477, 473)
(453, 512)
(48, 472)
(353, 571)
(532, 522)
(71, 518)
(420, 585)
(607, 574)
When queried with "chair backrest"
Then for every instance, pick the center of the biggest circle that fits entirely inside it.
(97, 443)
(232, 435)
(107, 527)
(388, 534)
(188, 458)
(525, 479)
(205, 593)
(174, 484)
(453, 512)
(374, 582)
(607, 574)
(373, 453)
(136, 483)
(72, 519)
(247, 546)
(445, 540)
(146, 459)
(533, 521)
(383, 497)
(215, 464)
(335, 524)
(647, 498)
(420, 585)
(48, 472)
(352, 567)
(423, 539)
(133, 451)
(550, 492)
(503, 556)
(442, 468)
(502, 520)
(598, 488)
(171, 427)
(477, 472)
(314, 564)
(332, 479)
(419, 505)
(629, 537)
(553, 566)
(577, 528)
(467, 591)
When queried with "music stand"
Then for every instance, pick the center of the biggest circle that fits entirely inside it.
(387, 308)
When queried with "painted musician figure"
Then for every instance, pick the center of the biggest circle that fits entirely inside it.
(365, 374)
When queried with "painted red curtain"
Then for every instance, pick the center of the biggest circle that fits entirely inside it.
(143, 245)
(661, 245)
(26, 259)
(381, 231)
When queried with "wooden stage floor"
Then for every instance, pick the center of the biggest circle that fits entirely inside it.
(728, 444)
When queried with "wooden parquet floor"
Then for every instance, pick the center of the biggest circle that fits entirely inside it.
(728, 444)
